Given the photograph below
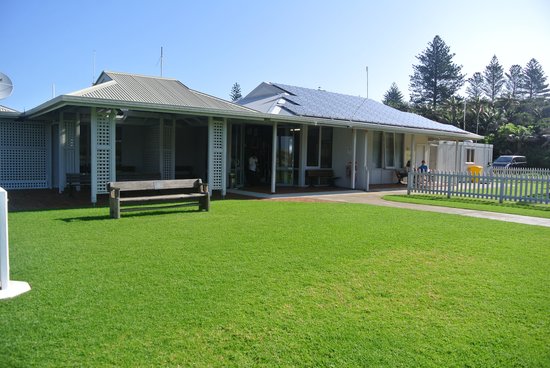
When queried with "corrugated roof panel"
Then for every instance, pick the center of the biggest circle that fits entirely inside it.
(330, 105)
(153, 90)
(6, 109)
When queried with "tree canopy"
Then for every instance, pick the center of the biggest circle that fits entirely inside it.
(493, 79)
(534, 81)
(436, 77)
(235, 92)
(394, 98)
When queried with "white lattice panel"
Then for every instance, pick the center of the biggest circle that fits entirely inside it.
(104, 130)
(168, 165)
(22, 155)
(216, 144)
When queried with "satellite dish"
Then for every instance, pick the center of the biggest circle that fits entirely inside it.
(6, 86)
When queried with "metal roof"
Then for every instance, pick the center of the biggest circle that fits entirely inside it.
(6, 109)
(329, 105)
(152, 90)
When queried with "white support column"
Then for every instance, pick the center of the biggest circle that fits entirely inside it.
(103, 157)
(8, 288)
(93, 155)
(303, 155)
(457, 159)
(217, 132)
(274, 159)
(224, 159)
(366, 162)
(353, 157)
(49, 169)
(61, 172)
(413, 151)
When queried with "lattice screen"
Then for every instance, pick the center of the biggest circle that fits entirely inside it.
(23, 155)
(216, 145)
(104, 151)
(72, 159)
(168, 165)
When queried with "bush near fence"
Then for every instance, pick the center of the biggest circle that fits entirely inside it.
(520, 185)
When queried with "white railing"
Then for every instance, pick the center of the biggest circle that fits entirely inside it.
(518, 171)
(532, 188)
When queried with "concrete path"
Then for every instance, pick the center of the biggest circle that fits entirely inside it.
(375, 198)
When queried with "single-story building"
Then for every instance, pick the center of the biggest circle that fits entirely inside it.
(130, 127)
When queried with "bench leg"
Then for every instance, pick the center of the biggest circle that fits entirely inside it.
(204, 203)
(114, 206)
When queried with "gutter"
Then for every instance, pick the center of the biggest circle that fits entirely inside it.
(68, 100)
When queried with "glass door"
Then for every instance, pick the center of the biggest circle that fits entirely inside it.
(288, 153)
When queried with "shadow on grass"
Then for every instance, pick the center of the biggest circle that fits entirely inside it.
(136, 212)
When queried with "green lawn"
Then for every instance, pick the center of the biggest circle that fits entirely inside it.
(261, 283)
(516, 208)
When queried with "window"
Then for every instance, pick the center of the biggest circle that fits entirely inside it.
(313, 134)
(319, 146)
(387, 150)
(377, 149)
(326, 147)
(470, 152)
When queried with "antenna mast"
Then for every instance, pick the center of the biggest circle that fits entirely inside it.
(161, 55)
(367, 82)
(93, 67)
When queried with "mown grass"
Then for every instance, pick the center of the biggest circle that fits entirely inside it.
(516, 208)
(256, 283)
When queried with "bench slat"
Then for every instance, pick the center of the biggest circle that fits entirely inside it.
(155, 184)
(167, 197)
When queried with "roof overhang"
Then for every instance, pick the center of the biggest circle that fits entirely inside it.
(68, 100)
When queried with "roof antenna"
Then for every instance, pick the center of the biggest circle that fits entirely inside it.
(93, 67)
(161, 54)
(367, 81)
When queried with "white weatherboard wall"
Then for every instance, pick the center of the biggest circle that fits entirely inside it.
(23, 155)
(8, 288)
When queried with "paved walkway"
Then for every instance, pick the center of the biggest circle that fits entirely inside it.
(375, 198)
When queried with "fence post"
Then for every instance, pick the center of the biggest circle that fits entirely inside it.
(449, 184)
(410, 180)
(8, 288)
(501, 194)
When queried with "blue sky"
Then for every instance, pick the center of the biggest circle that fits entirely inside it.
(209, 45)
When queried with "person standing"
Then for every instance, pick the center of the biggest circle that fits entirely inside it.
(252, 170)
(423, 167)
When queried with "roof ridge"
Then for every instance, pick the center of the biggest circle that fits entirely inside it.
(139, 75)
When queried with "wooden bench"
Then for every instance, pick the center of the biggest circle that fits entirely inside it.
(321, 173)
(157, 191)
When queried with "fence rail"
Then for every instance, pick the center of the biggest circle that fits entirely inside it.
(518, 171)
(531, 187)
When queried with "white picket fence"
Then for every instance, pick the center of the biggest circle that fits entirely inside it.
(522, 187)
(518, 171)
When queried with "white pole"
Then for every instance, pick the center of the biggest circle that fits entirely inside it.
(4, 252)
(274, 159)
(353, 157)
(8, 288)
(365, 158)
